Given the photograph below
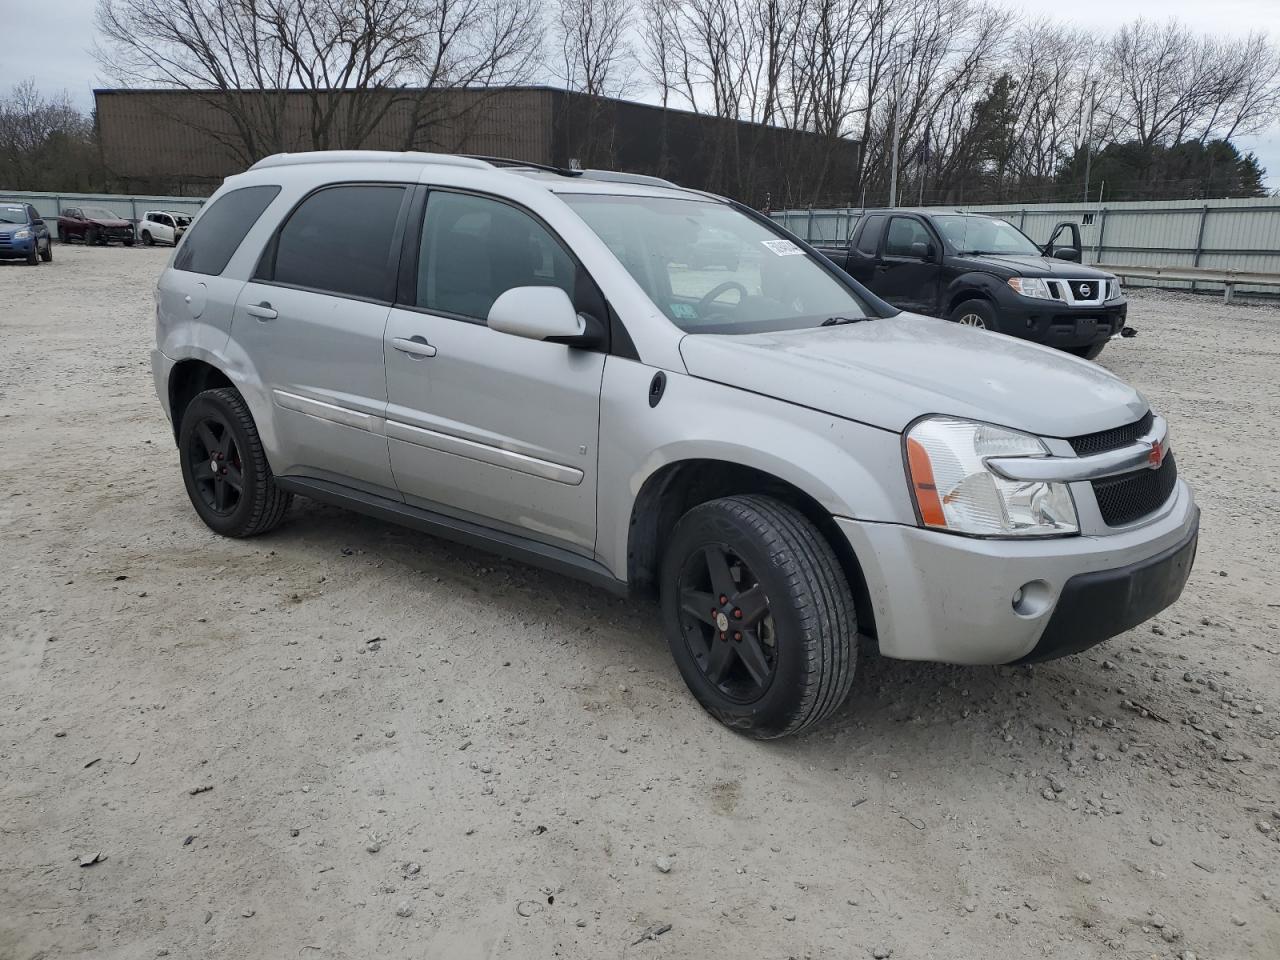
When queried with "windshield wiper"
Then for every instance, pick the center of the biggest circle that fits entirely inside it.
(840, 321)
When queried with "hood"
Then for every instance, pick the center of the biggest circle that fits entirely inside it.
(7, 228)
(888, 372)
(108, 222)
(1031, 266)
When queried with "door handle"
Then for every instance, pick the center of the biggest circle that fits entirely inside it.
(263, 311)
(416, 347)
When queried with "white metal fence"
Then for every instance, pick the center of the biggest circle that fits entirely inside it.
(1241, 235)
(49, 205)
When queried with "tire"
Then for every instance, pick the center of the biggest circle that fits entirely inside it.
(62, 237)
(48, 251)
(127, 243)
(147, 239)
(804, 643)
(220, 419)
(91, 237)
(33, 258)
(975, 313)
(1090, 352)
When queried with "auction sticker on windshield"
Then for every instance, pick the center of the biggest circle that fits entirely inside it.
(783, 248)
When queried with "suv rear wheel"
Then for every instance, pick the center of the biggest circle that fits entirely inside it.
(225, 468)
(759, 615)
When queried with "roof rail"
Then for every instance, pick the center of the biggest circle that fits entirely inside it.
(364, 156)
(643, 179)
(529, 164)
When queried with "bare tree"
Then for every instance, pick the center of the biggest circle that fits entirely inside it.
(354, 62)
(594, 54)
(44, 141)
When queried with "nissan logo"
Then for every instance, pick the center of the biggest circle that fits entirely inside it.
(1083, 289)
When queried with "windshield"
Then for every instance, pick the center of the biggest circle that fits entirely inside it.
(13, 215)
(969, 234)
(711, 269)
(98, 213)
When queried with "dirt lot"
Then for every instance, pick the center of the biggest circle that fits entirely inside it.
(345, 740)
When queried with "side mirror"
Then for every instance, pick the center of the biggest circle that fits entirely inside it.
(922, 251)
(537, 313)
(1066, 253)
(37, 223)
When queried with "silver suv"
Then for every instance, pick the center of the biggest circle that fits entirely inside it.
(540, 363)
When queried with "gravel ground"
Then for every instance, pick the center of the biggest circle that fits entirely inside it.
(347, 740)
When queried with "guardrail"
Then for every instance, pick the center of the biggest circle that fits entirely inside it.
(1193, 275)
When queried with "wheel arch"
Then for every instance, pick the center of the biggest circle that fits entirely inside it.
(187, 380)
(969, 286)
(675, 488)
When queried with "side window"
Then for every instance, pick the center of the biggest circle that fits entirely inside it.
(72, 212)
(475, 249)
(904, 233)
(208, 246)
(339, 241)
(869, 238)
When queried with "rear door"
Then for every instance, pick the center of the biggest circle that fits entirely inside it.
(909, 271)
(482, 424)
(864, 249)
(312, 320)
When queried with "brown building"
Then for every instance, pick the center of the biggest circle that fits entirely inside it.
(179, 141)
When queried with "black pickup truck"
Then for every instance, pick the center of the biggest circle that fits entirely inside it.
(985, 272)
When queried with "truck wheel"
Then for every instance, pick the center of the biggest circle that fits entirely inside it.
(91, 237)
(225, 468)
(62, 237)
(758, 614)
(1090, 352)
(127, 243)
(975, 313)
(146, 238)
(47, 255)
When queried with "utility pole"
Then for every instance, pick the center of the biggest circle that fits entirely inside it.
(897, 113)
(1088, 137)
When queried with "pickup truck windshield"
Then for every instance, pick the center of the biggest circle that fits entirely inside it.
(974, 235)
(711, 269)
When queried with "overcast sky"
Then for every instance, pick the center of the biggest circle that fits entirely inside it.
(50, 41)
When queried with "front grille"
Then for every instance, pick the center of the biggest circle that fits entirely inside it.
(1083, 289)
(1131, 496)
(1112, 439)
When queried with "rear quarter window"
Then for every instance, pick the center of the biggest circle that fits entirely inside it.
(209, 245)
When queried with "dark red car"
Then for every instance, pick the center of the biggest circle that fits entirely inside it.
(93, 225)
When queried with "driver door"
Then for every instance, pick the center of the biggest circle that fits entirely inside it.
(486, 425)
(908, 273)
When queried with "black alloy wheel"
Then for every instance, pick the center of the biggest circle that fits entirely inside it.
(225, 468)
(758, 614)
(216, 468)
(726, 624)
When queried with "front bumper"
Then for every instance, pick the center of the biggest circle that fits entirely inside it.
(11, 249)
(1057, 325)
(938, 596)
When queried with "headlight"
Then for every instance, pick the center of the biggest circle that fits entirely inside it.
(1033, 287)
(955, 491)
(22, 234)
(1114, 287)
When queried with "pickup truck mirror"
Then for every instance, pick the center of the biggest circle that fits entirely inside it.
(922, 250)
(1069, 251)
(537, 313)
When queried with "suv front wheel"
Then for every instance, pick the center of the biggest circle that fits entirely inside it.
(225, 468)
(759, 615)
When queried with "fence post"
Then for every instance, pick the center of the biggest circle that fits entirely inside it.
(1204, 215)
(1102, 229)
(808, 226)
(1022, 220)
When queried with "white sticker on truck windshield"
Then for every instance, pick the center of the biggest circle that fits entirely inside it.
(783, 248)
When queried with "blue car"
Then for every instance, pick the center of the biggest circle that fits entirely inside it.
(23, 235)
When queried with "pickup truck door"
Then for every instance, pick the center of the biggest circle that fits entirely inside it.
(864, 249)
(908, 271)
(484, 425)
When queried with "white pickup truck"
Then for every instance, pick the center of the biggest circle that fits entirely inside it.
(162, 226)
